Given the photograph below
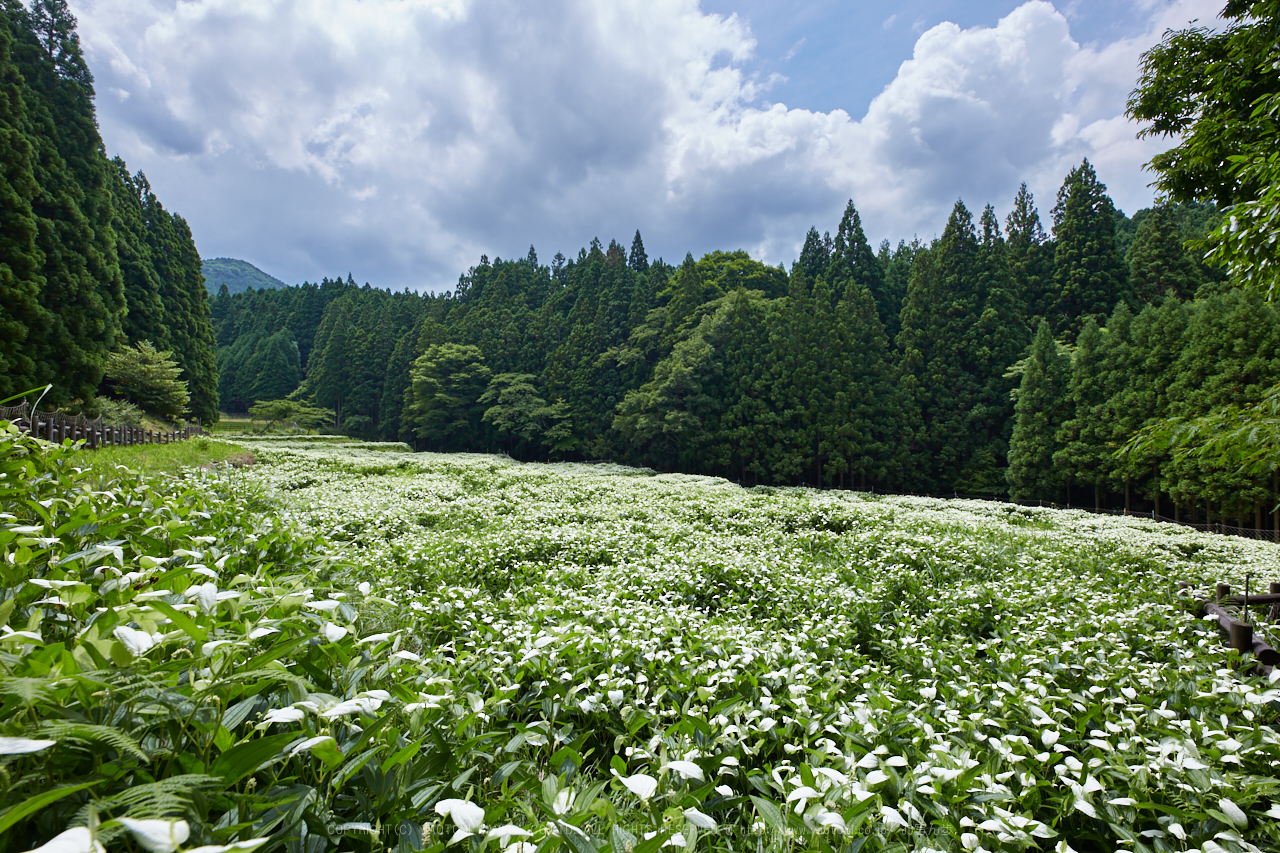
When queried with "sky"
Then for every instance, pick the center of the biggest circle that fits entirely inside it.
(399, 140)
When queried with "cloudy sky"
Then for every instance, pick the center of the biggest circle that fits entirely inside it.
(398, 140)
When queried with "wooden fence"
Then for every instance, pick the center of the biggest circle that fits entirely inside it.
(58, 427)
(1234, 618)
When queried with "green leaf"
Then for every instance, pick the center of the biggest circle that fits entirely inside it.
(40, 801)
(242, 759)
(770, 814)
(404, 754)
(577, 839)
(191, 629)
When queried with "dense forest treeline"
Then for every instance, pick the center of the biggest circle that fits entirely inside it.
(90, 260)
(1004, 356)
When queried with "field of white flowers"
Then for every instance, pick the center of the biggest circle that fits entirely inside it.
(462, 652)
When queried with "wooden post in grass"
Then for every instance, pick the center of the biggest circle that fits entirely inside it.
(1241, 636)
(1224, 590)
(1274, 613)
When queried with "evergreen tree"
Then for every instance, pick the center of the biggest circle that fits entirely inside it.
(1032, 472)
(144, 291)
(1089, 273)
(896, 264)
(83, 291)
(278, 368)
(148, 379)
(996, 341)
(939, 314)
(815, 255)
(1031, 258)
(1158, 263)
(24, 321)
(1084, 456)
(638, 260)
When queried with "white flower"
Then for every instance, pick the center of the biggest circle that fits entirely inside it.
(376, 638)
(259, 633)
(505, 833)
(676, 840)
(22, 745)
(615, 696)
(333, 633)
(877, 777)
(1176, 830)
(828, 820)
(968, 840)
(281, 715)
(309, 743)
(327, 606)
(892, 817)
(468, 817)
(409, 656)
(137, 642)
(641, 784)
(724, 790)
(1049, 737)
(1086, 807)
(158, 836)
(364, 587)
(74, 840)
(212, 646)
(687, 769)
(359, 705)
(699, 819)
(1234, 813)
(206, 595)
(929, 692)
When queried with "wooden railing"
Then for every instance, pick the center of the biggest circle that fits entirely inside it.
(59, 427)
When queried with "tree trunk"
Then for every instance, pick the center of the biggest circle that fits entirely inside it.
(1097, 497)
(1127, 490)
(1157, 509)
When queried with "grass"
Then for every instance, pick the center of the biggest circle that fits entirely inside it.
(151, 459)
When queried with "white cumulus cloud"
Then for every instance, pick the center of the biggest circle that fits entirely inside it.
(400, 139)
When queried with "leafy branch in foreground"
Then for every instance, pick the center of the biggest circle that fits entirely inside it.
(1244, 438)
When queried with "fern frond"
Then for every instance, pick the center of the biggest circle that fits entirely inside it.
(86, 733)
(171, 797)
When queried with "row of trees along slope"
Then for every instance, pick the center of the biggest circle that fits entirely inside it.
(893, 369)
(89, 259)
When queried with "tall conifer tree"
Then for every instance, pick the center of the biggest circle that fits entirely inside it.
(1032, 472)
(1089, 274)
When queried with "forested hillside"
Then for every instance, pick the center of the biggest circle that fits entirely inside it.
(90, 260)
(895, 369)
(235, 275)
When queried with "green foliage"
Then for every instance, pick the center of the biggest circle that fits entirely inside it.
(524, 419)
(1089, 273)
(292, 412)
(89, 260)
(442, 403)
(148, 379)
(1038, 412)
(1158, 263)
(1216, 92)
(236, 275)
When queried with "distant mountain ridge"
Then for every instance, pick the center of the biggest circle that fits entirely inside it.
(237, 275)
